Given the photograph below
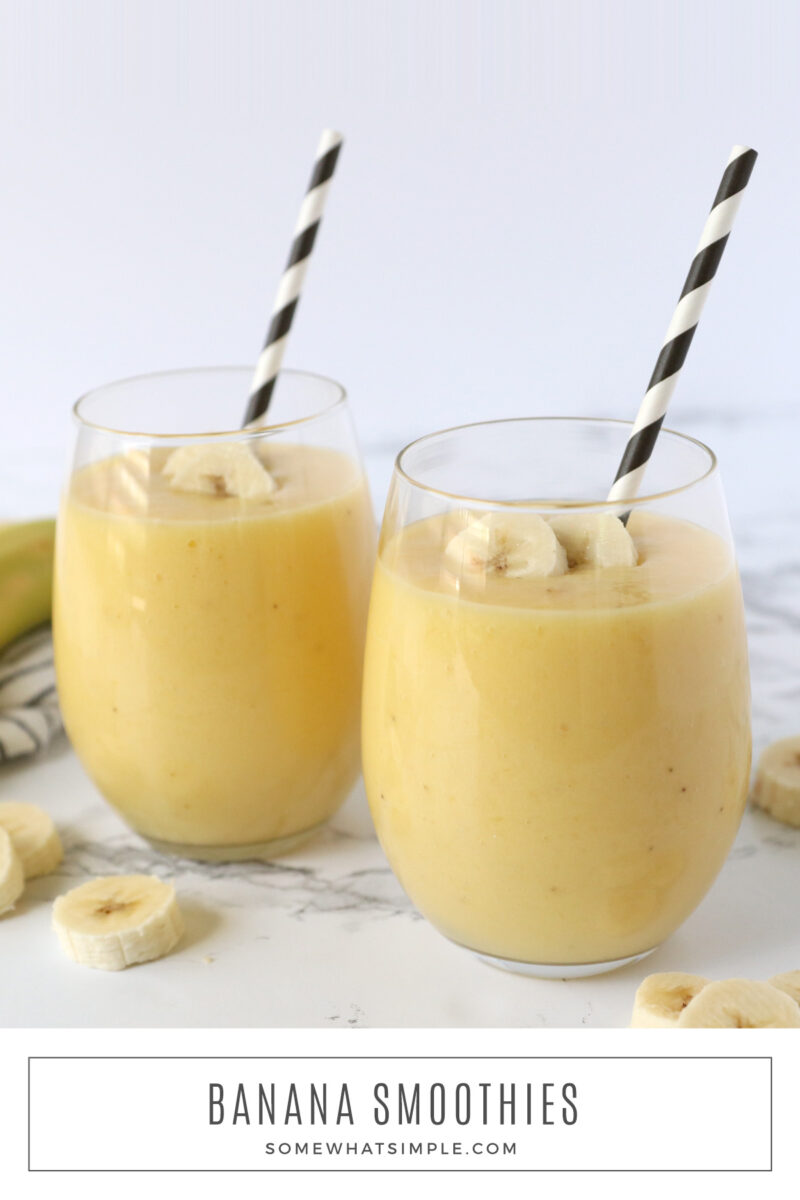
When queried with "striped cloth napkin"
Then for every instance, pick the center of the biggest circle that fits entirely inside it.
(29, 715)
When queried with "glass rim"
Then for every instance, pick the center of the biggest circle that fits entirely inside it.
(533, 502)
(248, 431)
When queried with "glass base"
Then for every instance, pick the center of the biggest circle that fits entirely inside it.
(561, 970)
(258, 851)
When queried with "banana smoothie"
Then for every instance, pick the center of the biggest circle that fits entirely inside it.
(556, 727)
(209, 617)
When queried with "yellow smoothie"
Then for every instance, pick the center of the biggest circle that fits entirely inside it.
(557, 766)
(209, 648)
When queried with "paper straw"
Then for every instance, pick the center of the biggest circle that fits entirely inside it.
(683, 324)
(283, 310)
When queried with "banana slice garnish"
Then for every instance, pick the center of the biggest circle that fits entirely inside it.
(33, 836)
(660, 999)
(117, 921)
(777, 784)
(12, 876)
(740, 1004)
(515, 545)
(230, 469)
(595, 539)
(788, 982)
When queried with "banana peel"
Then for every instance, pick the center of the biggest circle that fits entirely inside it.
(26, 577)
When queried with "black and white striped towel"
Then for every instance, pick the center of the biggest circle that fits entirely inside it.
(29, 715)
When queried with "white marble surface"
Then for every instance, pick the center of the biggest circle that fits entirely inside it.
(325, 937)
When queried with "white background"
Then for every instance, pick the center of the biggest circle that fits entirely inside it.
(521, 190)
(779, 1184)
(654, 1113)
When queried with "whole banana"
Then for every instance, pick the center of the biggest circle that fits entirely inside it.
(26, 577)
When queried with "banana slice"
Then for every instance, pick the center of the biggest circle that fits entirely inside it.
(12, 876)
(33, 836)
(788, 982)
(596, 539)
(516, 545)
(230, 469)
(740, 1004)
(777, 785)
(117, 921)
(660, 999)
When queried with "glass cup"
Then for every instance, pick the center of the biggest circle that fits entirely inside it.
(556, 732)
(210, 603)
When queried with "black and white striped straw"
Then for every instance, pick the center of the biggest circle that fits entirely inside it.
(683, 324)
(283, 310)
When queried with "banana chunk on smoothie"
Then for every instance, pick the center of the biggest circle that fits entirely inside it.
(777, 785)
(33, 836)
(515, 545)
(661, 998)
(117, 921)
(230, 469)
(595, 539)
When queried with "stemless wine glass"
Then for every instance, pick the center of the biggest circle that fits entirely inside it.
(556, 730)
(209, 636)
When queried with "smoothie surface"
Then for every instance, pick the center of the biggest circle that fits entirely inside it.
(676, 558)
(134, 485)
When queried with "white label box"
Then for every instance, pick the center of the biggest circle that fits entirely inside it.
(522, 1114)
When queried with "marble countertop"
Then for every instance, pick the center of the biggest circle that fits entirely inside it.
(325, 936)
